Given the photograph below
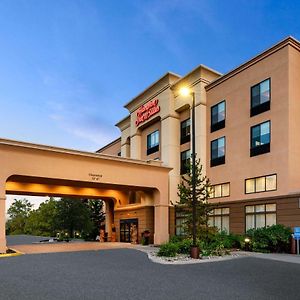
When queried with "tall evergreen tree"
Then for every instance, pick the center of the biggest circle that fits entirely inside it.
(203, 208)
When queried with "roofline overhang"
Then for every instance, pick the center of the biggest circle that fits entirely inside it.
(199, 67)
(110, 144)
(283, 43)
(79, 153)
(128, 104)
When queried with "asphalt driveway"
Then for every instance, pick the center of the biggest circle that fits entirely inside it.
(128, 274)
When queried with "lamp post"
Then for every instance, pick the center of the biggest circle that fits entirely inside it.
(194, 249)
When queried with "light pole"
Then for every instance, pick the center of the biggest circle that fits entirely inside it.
(194, 249)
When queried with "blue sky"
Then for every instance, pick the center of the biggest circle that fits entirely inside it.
(68, 67)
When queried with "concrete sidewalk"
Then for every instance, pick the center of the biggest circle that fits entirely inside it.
(68, 247)
(290, 258)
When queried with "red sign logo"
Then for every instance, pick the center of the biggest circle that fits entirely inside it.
(146, 111)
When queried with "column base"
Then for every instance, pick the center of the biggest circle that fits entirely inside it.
(2, 246)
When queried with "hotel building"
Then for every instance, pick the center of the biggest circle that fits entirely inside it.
(247, 137)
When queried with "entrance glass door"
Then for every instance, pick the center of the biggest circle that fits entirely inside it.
(126, 229)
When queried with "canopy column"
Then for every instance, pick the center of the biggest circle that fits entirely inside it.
(2, 225)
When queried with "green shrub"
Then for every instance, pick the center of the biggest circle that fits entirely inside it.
(230, 241)
(215, 248)
(168, 250)
(176, 239)
(274, 238)
(184, 246)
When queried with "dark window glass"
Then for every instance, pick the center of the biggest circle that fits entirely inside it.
(217, 154)
(218, 148)
(260, 139)
(185, 132)
(260, 97)
(153, 142)
(184, 161)
(218, 116)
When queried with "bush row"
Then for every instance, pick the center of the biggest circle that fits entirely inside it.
(275, 238)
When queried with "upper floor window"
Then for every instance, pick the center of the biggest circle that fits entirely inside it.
(217, 152)
(260, 139)
(185, 131)
(218, 116)
(260, 97)
(261, 184)
(153, 142)
(184, 161)
(220, 190)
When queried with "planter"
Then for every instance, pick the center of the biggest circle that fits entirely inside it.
(195, 252)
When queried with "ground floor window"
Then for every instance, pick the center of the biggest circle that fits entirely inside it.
(261, 215)
(219, 217)
(180, 218)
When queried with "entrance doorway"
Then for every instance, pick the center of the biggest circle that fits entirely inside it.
(126, 229)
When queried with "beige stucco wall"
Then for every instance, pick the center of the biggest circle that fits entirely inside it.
(294, 120)
(236, 91)
(144, 133)
(113, 149)
(85, 169)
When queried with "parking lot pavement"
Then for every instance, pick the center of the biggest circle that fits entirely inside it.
(128, 274)
(23, 239)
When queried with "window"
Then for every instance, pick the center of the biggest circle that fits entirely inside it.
(153, 142)
(260, 98)
(185, 131)
(217, 153)
(180, 219)
(119, 153)
(220, 190)
(219, 217)
(261, 184)
(261, 215)
(260, 139)
(217, 116)
(184, 161)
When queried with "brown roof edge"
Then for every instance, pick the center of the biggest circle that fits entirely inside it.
(287, 41)
(150, 86)
(108, 145)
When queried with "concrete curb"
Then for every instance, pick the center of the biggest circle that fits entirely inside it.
(151, 253)
(158, 260)
(17, 253)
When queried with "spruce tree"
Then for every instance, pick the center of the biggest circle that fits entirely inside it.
(203, 208)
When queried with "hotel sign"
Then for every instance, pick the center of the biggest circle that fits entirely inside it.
(146, 111)
(95, 177)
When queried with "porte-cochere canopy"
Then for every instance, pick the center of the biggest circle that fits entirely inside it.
(31, 169)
